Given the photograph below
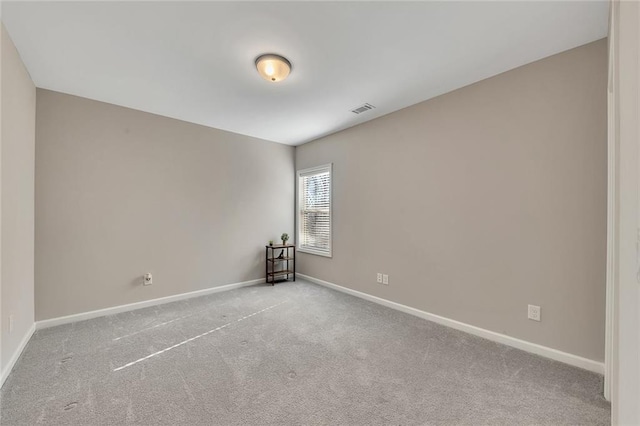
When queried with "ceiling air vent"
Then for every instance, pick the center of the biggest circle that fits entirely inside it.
(362, 108)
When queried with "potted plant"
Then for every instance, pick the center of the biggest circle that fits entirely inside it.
(284, 237)
(270, 242)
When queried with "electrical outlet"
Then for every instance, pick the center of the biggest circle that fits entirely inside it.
(148, 279)
(385, 279)
(11, 319)
(534, 313)
(379, 277)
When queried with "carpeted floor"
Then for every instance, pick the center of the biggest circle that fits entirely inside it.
(295, 353)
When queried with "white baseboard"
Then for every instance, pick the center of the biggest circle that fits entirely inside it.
(567, 358)
(16, 354)
(138, 305)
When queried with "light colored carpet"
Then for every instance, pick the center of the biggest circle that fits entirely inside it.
(295, 353)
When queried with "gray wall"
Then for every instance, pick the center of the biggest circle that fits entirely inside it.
(17, 185)
(121, 192)
(481, 201)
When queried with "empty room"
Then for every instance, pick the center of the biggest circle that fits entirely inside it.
(320, 213)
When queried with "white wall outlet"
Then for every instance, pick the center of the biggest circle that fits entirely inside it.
(148, 279)
(534, 313)
(379, 278)
(385, 279)
(11, 319)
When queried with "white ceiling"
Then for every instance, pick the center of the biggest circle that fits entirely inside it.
(195, 61)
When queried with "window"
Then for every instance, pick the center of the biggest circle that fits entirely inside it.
(314, 210)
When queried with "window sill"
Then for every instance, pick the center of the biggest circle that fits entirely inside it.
(315, 252)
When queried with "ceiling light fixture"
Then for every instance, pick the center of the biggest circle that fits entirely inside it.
(272, 67)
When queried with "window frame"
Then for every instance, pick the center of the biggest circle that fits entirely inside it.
(300, 173)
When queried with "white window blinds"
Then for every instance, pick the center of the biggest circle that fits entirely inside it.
(314, 210)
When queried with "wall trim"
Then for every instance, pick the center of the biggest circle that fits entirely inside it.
(139, 305)
(16, 355)
(612, 212)
(534, 348)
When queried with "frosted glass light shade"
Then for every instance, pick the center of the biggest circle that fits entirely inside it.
(273, 68)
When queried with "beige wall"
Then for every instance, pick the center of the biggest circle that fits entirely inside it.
(17, 188)
(481, 201)
(625, 104)
(121, 192)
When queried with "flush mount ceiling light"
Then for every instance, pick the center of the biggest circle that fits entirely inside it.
(272, 67)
